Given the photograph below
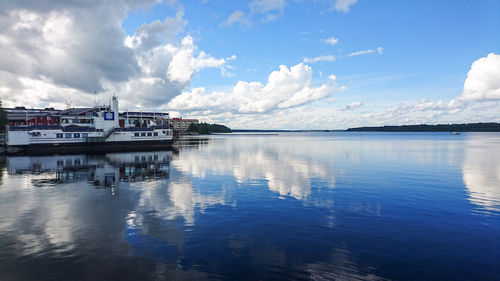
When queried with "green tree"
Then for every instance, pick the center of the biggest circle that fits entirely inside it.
(193, 128)
(204, 129)
(216, 128)
(3, 118)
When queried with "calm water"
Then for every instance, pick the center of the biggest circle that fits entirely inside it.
(325, 206)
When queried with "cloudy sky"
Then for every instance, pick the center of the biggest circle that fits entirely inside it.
(269, 64)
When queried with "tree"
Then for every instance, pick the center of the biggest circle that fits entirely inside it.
(3, 117)
(216, 128)
(205, 128)
(193, 128)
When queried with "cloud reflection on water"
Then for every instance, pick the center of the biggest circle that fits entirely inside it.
(481, 171)
(288, 167)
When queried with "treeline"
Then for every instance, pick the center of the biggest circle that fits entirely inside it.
(471, 127)
(205, 128)
(3, 118)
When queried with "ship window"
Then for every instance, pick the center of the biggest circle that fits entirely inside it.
(163, 132)
(136, 134)
(150, 134)
(59, 136)
(155, 134)
(143, 134)
(68, 136)
(35, 134)
(85, 135)
(76, 136)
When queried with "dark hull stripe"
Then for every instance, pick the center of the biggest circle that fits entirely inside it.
(99, 147)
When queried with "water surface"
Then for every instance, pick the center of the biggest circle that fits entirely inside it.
(318, 206)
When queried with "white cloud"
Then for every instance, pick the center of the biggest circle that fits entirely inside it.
(237, 17)
(483, 80)
(331, 58)
(352, 106)
(288, 87)
(60, 51)
(344, 5)
(260, 10)
(265, 6)
(379, 50)
(331, 40)
(328, 58)
(150, 35)
(184, 62)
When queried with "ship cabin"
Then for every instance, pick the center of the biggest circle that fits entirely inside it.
(82, 117)
(135, 119)
(22, 116)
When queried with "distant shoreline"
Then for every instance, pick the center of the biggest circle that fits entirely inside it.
(282, 131)
(471, 127)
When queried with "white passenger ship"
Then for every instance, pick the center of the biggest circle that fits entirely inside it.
(100, 128)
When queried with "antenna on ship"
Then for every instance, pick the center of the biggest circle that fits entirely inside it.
(95, 98)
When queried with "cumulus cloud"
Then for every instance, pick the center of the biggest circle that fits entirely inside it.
(150, 35)
(286, 88)
(331, 40)
(328, 58)
(483, 80)
(184, 63)
(58, 51)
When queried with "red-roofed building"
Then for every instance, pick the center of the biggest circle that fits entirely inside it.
(179, 124)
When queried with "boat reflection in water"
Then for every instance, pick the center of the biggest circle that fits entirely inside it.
(101, 171)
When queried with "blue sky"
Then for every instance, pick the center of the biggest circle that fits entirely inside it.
(394, 62)
(423, 42)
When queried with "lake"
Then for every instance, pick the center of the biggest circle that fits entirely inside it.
(300, 206)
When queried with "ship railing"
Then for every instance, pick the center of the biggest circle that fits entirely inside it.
(52, 127)
(134, 129)
(34, 127)
(78, 129)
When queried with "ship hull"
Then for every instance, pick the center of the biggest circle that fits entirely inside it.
(90, 147)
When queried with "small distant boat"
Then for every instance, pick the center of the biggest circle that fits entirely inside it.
(455, 133)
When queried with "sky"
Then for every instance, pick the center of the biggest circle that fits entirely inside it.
(259, 64)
